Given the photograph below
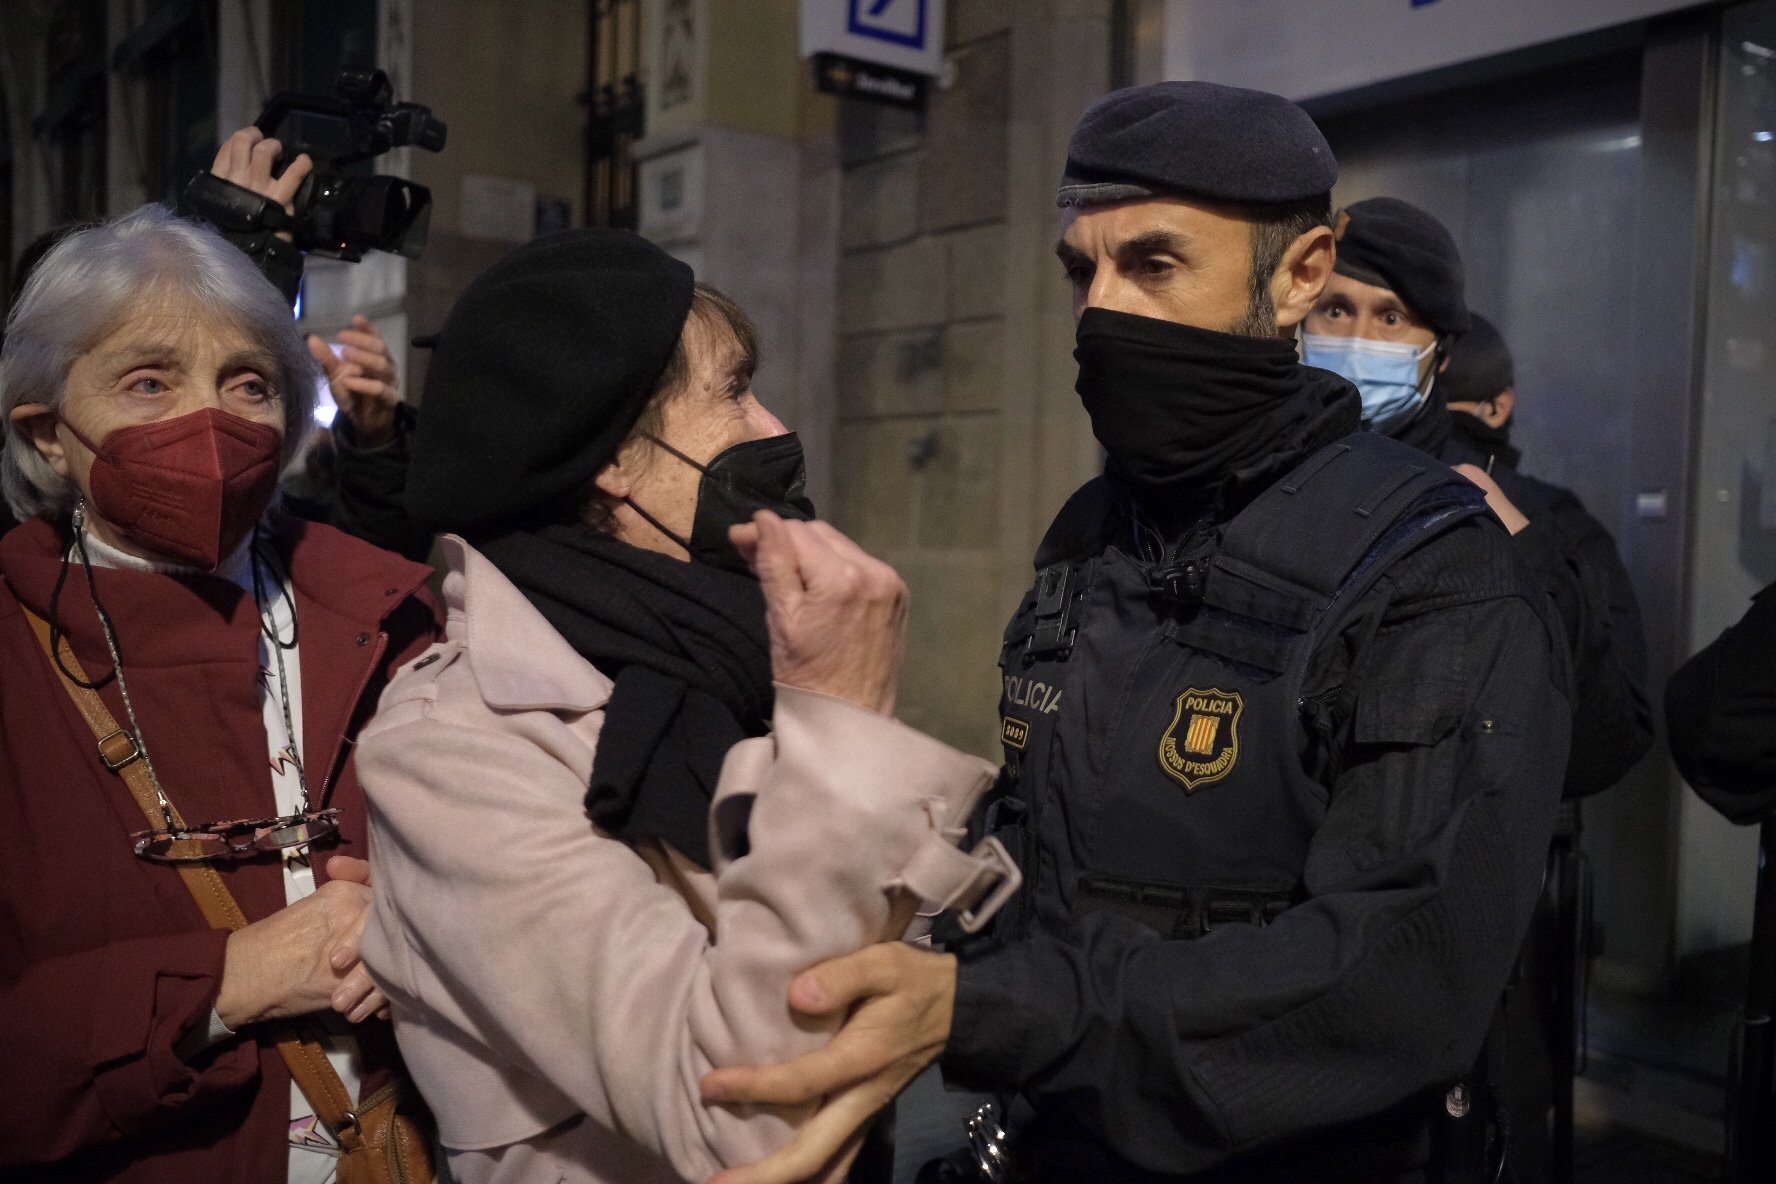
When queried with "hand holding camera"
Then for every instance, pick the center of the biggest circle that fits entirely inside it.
(314, 203)
(250, 160)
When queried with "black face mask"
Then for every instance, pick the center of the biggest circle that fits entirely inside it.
(1178, 407)
(1479, 429)
(768, 474)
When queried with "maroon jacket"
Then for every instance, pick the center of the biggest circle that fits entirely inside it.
(105, 960)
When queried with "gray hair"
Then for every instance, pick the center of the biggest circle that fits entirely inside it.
(85, 287)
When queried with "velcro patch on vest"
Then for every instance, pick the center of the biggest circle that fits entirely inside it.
(1015, 732)
(1202, 745)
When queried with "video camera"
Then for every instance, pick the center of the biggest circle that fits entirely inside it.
(337, 213)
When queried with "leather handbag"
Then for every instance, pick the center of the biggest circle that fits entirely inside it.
(384, 1138)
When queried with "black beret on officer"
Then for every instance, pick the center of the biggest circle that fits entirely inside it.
(1395, 245)
(1196, 140)
(540, 372)
(1480, 365)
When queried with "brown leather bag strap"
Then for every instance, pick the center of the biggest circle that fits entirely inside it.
(307, 1061)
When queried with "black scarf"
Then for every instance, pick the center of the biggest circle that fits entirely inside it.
(1427, 428)
(1186, 523)
(1325, 407)
(1177, 407)
(1197, 423)
(687, 646)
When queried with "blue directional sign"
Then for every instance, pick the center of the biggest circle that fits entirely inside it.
(899, 22)
(904, 35)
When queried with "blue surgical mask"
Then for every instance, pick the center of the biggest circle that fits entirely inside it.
(1385, 373)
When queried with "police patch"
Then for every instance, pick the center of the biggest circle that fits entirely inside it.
(1202, 744)
(1015, 732)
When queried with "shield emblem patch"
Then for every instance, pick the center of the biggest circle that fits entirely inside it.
(1202, 745)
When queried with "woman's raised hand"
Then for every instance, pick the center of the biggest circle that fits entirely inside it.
(362, 379)
(836, 614)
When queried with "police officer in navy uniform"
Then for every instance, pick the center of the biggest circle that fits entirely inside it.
(1284, 727)
(1613, 726)
(1394, 319)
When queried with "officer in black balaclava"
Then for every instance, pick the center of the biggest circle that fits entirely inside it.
(1284, 726)
(1479, 387)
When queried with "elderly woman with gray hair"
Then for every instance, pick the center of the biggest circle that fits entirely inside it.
(182, 881)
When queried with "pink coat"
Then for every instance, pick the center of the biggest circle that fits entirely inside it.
(555, 1001)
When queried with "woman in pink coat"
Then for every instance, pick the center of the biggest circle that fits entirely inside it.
(654, 773)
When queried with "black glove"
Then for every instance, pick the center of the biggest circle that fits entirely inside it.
(250, 221)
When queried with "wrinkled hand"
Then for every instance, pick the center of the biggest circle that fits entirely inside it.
(1502, 506)
(303, 958)
(836, 614)
(898, 1002)
(362, 380)
(356, 997)
(246, 158)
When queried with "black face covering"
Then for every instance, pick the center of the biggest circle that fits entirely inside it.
(1178, 407)
(1475, 428)
(768, 474)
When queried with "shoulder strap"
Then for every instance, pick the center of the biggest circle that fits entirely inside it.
(307, 1061)
(1079, 529)
(1353, 491)
(1321, 534)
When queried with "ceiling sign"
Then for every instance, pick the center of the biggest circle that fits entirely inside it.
(904, 35)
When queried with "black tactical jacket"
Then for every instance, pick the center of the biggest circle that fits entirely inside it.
(363, 491)
(1720, 707)
(1262, 966)
(1573, 558)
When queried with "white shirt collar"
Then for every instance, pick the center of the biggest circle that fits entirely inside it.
(237, 568)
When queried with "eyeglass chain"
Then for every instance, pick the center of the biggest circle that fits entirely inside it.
(268, 628)
(110, 634)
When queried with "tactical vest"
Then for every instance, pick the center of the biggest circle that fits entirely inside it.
(1154, 743)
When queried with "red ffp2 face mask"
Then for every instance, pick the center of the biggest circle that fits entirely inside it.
(189, 488)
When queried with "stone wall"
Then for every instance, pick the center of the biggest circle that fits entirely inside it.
(957, 435)
(738, 176)
(506, 78)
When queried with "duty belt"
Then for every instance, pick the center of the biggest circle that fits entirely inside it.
(1178, 913)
